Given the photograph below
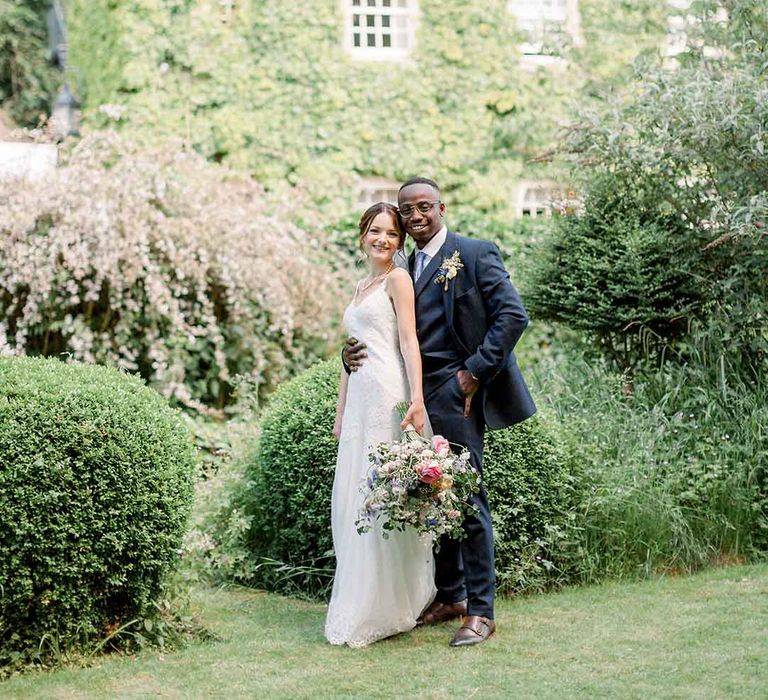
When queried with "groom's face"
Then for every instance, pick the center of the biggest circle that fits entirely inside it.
(421, 225)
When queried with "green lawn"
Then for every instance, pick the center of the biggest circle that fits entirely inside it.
(704, 636)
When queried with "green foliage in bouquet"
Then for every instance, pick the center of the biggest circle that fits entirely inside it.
(418, 483)
(95, 490)
(287, 491)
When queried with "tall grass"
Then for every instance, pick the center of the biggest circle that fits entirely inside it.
(674, 475)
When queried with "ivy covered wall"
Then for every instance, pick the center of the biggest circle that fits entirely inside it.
(27, 76)
(268, 86)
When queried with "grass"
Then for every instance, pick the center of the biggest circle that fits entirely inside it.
(678, 637)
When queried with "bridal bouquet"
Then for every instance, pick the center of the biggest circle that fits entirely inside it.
(418, 482)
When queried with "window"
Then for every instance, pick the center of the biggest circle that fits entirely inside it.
(547, 26)
(377, 189)
(684, 32)
(539, 199)
(379, 29)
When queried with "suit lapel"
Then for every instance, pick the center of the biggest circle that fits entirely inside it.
(411, 262)
(451, 244)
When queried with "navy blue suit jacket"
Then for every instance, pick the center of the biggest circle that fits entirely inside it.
(486, 318)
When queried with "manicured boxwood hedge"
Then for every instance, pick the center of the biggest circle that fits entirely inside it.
(95, 490)
(290, 476)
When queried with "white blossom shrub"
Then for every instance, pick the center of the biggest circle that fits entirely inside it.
(161, 263)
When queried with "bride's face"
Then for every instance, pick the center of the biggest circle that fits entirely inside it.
(381, 240)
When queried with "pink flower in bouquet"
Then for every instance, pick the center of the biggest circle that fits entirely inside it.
(429, 472)
(441, 445)
(386, 468)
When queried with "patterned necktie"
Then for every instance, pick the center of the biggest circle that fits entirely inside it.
(421, 262)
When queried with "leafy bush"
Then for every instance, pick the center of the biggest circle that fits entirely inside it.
(607, 271)
(289, 478)
(533, 482)
(26, 74)
(677, 473)
(676, 210)
(165, 265)
(95, 490)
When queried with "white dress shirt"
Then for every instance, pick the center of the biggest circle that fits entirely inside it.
(434, 245)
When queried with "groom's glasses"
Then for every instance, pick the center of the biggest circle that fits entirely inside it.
(406, 210)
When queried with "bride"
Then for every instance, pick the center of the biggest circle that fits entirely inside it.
(381, 585)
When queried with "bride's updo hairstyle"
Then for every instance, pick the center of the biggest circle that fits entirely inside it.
(372, 212)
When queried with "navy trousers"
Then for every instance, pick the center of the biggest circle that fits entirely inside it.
(464, 568)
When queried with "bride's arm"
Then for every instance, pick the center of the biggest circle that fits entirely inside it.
(400, 289)
(340, 403)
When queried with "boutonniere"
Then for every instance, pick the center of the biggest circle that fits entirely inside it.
(449, 269)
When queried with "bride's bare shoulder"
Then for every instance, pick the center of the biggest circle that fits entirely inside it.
(400, 276)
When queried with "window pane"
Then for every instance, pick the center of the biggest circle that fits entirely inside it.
(355, 3)
(355, 20)
(386, 40)
(371, 40)
(386, 3)
(370, 20)
(371, 3)
(385, 19)
(356, 39)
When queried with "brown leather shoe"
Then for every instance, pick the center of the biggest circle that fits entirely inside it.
(438, 612)
(476, 629)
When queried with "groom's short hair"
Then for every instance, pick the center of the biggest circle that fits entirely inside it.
(420, 181)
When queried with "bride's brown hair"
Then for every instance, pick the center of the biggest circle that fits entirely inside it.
(372, 212)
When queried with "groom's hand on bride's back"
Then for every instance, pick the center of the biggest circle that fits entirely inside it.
(353, 354)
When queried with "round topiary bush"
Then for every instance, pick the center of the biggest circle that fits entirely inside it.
(532, 483)
(95, 489)
(289, 478)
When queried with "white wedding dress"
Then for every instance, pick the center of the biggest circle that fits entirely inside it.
(381, 585)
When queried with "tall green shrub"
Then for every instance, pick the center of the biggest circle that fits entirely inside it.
(26, 73)
(673, 236)
(95, 490)
(627, 271)
(287, 492)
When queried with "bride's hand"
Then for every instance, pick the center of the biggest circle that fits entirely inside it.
(336, 432)
(416, 416)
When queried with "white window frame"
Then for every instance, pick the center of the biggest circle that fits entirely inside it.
(376, 189)
(677, 39)
(539, 18)
(380, 22)
(538, 198)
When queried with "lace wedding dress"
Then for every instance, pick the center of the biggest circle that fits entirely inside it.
(381, 585)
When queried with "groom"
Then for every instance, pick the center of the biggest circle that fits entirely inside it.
(469, 318)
